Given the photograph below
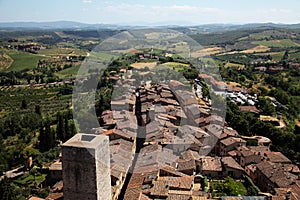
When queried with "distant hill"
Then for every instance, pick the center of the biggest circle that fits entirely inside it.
(53, 25)
(207, 28)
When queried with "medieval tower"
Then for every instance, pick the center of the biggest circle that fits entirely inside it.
(86, 168)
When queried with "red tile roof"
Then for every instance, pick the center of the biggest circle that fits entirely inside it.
(211, 164)
(230, 162)
(231, 140)
(276, 157)
(184, 182)
(252, 109)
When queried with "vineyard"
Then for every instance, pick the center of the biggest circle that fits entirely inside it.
(48, 97)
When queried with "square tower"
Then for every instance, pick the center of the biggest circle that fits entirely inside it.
(86, 167)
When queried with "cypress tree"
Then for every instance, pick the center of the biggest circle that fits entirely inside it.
(60, 130)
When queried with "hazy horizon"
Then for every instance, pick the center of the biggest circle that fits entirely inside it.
(129, 12)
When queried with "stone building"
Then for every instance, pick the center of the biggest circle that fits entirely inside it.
(86, 167)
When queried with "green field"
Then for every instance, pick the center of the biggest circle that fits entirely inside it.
(23, 61)
(276, 56)
(277, 43)
(69, 72)
(101, 56)
(55, 51)
(45, 96)
(240, 66)
(176, 64)
(295, 55)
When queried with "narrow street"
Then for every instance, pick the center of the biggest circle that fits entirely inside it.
(141, 133)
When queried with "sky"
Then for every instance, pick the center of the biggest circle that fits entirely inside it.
(130, 12)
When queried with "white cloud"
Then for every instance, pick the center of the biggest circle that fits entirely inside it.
(155, 13)
(193, 8)
(274, 11)
(87, 1)
(112, 12)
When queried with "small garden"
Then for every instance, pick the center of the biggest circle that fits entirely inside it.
(228, 187)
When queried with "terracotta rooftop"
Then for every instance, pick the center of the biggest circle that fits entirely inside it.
(211, 164)
(35, 198)
(126, 134)
(153, 127)
(143, 197)
(214, 129)
(186, 140)
(166, 94)
(132, 193)
(251, 167)
(192, 130)
(276, 157)
(176, 84)
(159, 188)
(260, 149)
(278, 198)
(160, 109)
(179, 197)
(230, 131)
(276, 174)
(184, 182)
(186, 164)
(170, 171)
(252, 109)
(291, 168)
(56, 166)
(54, 196)
(230, 162)
(108, 132)
(245, 151)
(122, 144)
(189, 154)
(232, 153)
(151, 148)
(193, 109)
(231, 140)
(292, 189)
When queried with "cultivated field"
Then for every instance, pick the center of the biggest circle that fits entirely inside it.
(277, 43)
(257, 49)
(141, 65)
(23, 61)
(5, 61)
(207, 51)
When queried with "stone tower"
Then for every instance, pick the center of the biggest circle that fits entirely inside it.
(86, 168)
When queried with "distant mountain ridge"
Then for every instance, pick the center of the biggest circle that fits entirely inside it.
(52, 25)
(79, 25)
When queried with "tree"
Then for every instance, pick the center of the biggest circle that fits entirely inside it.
(285, 56)
(7, 190)
(29, 152)
(24, 104)
(280, 95)
(205, 91)
(60, 129)
(37, 78)
(34, 172)
(232, 188)
(3, 155)
(50, 136)
(72, 128)
(42, 139)
(29, 77)
(38, 110)
(266, 107)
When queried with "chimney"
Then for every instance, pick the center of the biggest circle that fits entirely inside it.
(150, 114)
